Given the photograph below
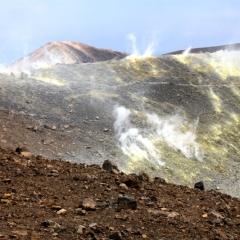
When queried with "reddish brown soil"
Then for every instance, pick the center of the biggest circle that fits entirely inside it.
(33, 190)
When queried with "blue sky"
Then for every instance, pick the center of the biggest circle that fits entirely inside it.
(172, 24)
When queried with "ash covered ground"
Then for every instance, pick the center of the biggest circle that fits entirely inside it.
(174, 116)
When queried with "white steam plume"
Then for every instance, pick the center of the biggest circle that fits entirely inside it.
(26, 65)
(138, 143)
(149, 50)
(131, 140)
(187, 51)
(170, 130)
(135, 52)
(151, 46)
(47, 61)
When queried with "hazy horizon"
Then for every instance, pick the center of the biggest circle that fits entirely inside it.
(165, 26)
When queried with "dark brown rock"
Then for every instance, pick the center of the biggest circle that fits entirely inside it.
(7, 180)
(54, 225)
(109, 166)
(127, 202)
(21, 149)
(146, 177)
(130, 181)
(116, 236)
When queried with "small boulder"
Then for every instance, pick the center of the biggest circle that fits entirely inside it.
(110, 166)
(123, 186)
(89, 204)
(80, 229)
(127, 202)
(7, 180)
(27, 155)
(146, 177)
(215, 217)
(173, 214)
(130, 181)
(160, 180)
(92, 225)
(61, 211)
(21, 149)
(80, 211)
(116, 236)
(54, 225)
(199, 185)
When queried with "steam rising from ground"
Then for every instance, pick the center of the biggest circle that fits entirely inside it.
(132, 140)
(49, 61)
(223, 62)
(141, 143)
(25, 68)
(187, 51)
(27, 65)
(177, 133)
(149, 50)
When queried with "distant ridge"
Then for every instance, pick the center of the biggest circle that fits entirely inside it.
(66, 52)
(229, 47)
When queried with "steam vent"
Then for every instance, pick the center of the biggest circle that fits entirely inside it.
(175, 116)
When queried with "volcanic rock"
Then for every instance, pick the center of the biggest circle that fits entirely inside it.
(131, 181)
(109, 166)
(116, 236)
(54, 225)
(146, 177)
(127, 202)
(80, 229)
(89, 204)
(27, 155)
(21, 149)
(61, 211)
(199, 185)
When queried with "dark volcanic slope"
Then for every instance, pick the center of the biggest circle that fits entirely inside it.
(64, 52)
(235, 46)
(184, 112)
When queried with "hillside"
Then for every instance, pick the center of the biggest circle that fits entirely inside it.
(67, 52)
(174, 116)
(228, 47)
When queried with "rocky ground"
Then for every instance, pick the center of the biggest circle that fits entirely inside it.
(51, 199)
(67, 111)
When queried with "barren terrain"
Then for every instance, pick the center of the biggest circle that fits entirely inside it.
(52, 199)
(163, 120)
